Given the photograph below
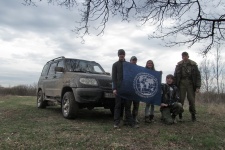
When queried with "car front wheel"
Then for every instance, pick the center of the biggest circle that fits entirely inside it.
(69, 106)
(41, 103)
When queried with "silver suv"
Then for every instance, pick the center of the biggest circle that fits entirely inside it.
(74, 84)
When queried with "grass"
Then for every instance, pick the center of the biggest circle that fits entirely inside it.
(23, 126)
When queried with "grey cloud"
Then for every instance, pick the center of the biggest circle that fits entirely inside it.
(32, 57)
(18, 78)
(30, 18)
(7, 35)
(55, 23)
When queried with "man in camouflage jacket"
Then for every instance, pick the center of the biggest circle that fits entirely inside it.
(188, 79)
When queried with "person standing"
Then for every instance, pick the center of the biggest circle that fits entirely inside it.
(188, 79)
(170, 102)
(136, 103)
(149, 108)
(117, 78)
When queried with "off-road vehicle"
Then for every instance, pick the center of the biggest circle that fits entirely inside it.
(74, 84)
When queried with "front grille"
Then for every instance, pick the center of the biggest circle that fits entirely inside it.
(105, 84)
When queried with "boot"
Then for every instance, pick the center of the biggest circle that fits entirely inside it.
(134, 125)
(125, 122)
(151, 118)
(147, 119)
(135, 119)
(193, 117)
(174, 118)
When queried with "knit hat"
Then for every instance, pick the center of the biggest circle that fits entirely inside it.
(121, 52)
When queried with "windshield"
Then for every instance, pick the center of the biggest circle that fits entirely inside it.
(83, 66)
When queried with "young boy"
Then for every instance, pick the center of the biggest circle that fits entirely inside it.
(170, 102)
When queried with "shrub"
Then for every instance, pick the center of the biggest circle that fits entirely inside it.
(21, 90)
(210, 97)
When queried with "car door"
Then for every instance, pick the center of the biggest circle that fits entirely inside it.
(58, 80)
(50, 82)
(44, 77)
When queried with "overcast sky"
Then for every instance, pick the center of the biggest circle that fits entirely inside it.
(30, 36)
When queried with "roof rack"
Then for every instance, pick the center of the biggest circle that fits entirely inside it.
(56, 59)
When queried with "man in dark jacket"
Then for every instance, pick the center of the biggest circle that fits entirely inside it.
(117, 78)
(170, 102)
(188, 80)
(136, 103)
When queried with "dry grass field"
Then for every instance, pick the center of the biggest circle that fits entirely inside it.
(23, 126)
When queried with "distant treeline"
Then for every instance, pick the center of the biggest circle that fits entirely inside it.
(30, 90)
(210, 97)
(20, 90)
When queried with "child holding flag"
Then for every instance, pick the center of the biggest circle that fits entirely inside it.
(149, 108)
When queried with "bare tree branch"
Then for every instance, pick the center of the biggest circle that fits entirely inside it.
(179, 22)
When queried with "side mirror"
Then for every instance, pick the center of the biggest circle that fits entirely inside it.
(107, 73)
(59, 69)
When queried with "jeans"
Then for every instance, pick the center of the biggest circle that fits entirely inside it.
(117, 112)
(147, 111)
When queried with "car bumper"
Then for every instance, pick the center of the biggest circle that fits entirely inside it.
(95, 95)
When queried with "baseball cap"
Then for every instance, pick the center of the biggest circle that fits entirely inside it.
(133, 58)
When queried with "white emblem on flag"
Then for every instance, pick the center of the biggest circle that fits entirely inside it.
(145, 85)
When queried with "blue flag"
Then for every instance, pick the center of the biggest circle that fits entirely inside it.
(141, 84)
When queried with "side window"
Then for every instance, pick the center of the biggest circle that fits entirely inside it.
(60, 64)
(52, 68)
(97, 69)
(45, 70)
(68, 65)
(83, 66)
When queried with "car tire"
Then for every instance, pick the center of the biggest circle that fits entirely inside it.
(69, 106)
(41, 103)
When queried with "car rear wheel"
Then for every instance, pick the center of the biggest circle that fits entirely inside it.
(69, 106)
(41, 103)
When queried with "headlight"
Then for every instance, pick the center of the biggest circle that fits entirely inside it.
(88, 81)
